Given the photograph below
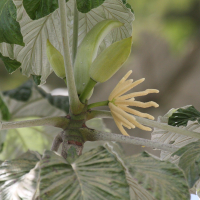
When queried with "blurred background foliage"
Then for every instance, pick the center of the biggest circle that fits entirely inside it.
(166, 51)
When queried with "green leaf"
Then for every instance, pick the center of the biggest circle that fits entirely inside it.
(190, 161)
(11, 65)
(162, 179)
(85, 6)
(94, 175)
(183, 115)
(4, 111)
(19, 178)
(37, 79)
(40, 8)
(22, 93)
(33, 56)
(175, 139)
(9, 27)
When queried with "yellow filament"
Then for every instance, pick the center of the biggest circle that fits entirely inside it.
(137, 103)
(118, 87)
(135, 112)
(128, 127)
(141, 126)
(128, 87)
(118, 123)
(122, 119)
(126, 76)
(122, 113)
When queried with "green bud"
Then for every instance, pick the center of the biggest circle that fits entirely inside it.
(110, 60)
(56, 60)
(87, 51)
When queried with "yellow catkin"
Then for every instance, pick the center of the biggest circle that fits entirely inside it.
(135, 112)
(128, 87)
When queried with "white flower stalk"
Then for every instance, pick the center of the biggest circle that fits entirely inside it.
(118, 104)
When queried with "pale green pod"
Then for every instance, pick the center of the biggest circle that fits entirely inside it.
(110, 60)
(56, 60)
(87, 51)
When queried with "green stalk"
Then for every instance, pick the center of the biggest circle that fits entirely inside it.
(75, 32)
(88, 88)
(97, 104)
(75, 105)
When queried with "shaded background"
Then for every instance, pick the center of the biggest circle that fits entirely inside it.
(166, 51)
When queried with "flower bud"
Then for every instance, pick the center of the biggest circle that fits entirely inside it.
(87, 51)
(110, 60)
(56, 60)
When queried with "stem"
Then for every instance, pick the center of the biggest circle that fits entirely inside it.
(167, 127)
(97, 104)
(148, 122)
(75, 32)
(75, 105)
(60, 122)
(93, 135)
(98, 114)
(86, 92)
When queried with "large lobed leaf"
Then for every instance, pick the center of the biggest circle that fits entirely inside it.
(162, 179)
(100, 173)
(19, 178)
(35, 33)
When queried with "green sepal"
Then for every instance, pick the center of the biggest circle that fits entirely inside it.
(87, 51)
(56, 60)
(110, 60)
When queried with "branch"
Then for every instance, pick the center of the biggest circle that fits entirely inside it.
(60, 122)
(75, 105)
(93, 135)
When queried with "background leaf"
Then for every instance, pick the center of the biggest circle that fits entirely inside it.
(85, 6)
(11, 65)
(25, 102)
(19, 178)
(175, 139)
(9, 27)
(33, 57)
(4, 112)
(40, 8)
(183, 115)
(162, 179)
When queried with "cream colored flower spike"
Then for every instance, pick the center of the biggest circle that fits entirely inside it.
(118, 104)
